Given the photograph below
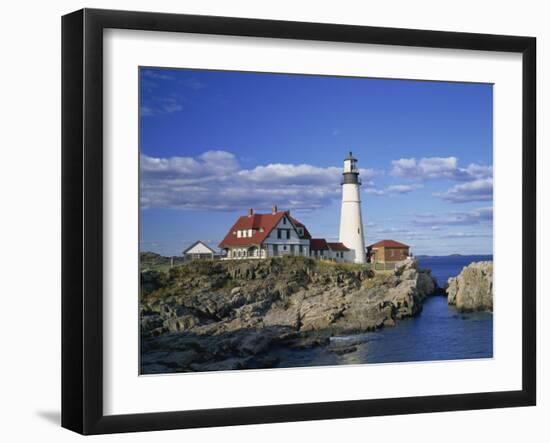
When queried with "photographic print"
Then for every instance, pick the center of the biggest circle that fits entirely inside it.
(291, 220)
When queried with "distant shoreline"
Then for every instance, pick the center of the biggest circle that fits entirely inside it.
(416, 256)
(452, 255)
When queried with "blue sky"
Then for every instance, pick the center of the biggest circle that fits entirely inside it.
(214, 143)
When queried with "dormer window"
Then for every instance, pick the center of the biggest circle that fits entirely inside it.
(284, 220)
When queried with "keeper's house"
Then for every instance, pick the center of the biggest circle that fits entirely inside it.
(387, 251)
(266, 235)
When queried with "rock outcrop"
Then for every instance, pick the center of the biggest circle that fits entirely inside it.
(230, 314)
(472, 289)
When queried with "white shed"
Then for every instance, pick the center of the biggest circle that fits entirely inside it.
(199, 251)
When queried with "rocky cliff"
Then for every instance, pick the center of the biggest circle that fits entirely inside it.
(472, 289)
(230, 314)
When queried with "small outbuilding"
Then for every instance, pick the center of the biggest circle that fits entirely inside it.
(387, 251)
(199, 251)
(339, 252)
(318, 248)
(321, 249)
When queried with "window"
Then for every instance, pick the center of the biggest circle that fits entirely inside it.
(288, 234)
(284, 247)
(284, 221)
(250, 232)
(239, 233)
(300, 249)
(279, 233)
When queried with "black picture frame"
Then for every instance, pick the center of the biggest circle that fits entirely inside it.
(82, 218)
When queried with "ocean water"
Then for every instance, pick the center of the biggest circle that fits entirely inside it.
(439, 332)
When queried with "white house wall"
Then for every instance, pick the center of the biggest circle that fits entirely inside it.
(199, 248)
(283, 242)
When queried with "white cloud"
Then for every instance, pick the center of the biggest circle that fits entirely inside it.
(432, 167)
(215, 181)
(477, 190)
(374, 191)
(478, 179)
(160, 105)
(475, 171)
(291, 174)
(402, 189)
(395, 233)
(438, 167)
(466, 235)
(477, 216)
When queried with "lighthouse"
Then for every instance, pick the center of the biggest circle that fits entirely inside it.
(351, 221)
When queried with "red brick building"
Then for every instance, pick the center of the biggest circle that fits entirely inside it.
(387, 251)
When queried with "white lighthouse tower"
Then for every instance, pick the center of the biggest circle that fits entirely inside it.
(351, 222)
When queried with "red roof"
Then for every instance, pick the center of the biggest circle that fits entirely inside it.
(257, 222)
(318, 244)
(388, 244)
(337, 247)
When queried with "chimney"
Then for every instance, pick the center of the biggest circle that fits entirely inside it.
(274, 209)
(250, 212)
